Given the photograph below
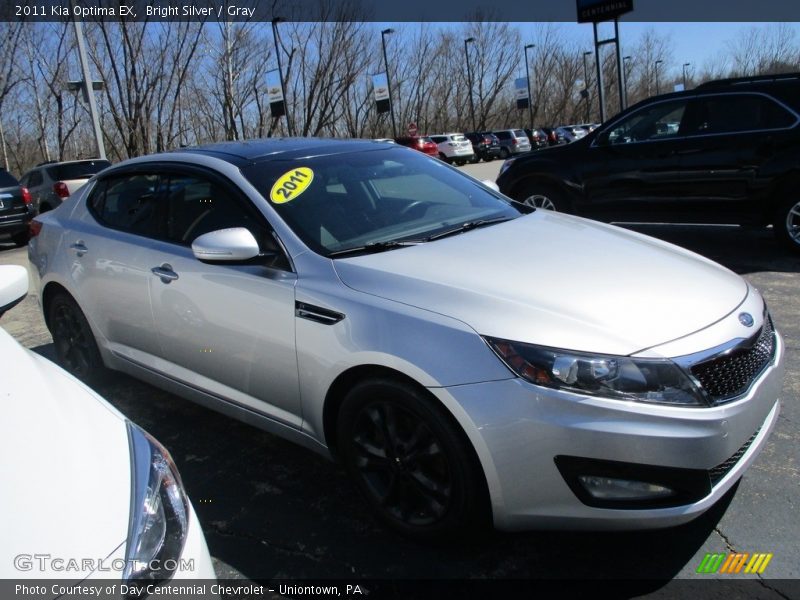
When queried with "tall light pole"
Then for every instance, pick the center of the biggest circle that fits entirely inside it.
(658, 62)
(275, 22)
(88, 86)
(586, 83)
(384, 33)
(528, 79)
(684, 73)
(467, 41)
(626, 71)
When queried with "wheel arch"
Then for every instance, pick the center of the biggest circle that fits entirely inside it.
(49, 291)
(346, 380)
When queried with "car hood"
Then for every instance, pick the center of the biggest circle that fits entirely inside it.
(556, 280)
(66, 469)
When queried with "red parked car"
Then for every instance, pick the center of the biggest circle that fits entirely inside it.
(424, 144)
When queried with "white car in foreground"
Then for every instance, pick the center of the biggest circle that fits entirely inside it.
(87, 494)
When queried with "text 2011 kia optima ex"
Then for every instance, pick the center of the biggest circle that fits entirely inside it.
(466, 358)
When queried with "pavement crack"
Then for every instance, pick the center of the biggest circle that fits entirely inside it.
(725, 539)
(763, 582)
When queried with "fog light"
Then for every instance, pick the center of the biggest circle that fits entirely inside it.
(608, 488)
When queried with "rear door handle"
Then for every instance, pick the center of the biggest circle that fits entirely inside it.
(165, 273)
(79, 247)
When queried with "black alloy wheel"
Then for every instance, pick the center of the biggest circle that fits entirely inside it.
(75, 346)
(410, 461)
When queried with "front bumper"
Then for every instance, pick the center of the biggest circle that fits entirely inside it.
(518, 429)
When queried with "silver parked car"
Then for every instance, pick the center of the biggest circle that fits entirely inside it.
(371, 304)
(51, 183)
(512, 141)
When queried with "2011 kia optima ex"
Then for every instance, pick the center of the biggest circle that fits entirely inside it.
(468, 359)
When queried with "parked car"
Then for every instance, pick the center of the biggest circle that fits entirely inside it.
(512, 141)
(51, 183)
(537, 138)
(570, 133)
(553, 136)
(83, 483)
(454, 148)
(725, 152)
(485, 145)
(16, 209)
(331, 292)
(422, 144)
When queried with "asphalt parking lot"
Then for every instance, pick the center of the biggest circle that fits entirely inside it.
(271, 510)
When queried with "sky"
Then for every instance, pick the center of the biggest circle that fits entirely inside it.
(693, 42)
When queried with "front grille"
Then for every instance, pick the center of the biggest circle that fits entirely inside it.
(729, 375)
(718, 473)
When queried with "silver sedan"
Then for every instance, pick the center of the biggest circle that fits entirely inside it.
(469, 360)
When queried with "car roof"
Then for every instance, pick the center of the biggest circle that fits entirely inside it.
(241, 153)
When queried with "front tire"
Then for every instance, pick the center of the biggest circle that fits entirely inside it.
(411, 462)
(542, 196)
(787, 224)
(75, 346)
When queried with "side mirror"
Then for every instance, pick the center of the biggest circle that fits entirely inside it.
(491, 184)
(226, 245)
(13, 286)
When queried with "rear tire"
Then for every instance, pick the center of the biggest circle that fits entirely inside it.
(504, 153)
(411, 462)
(444, 158)
(75, 347)
(787, 223)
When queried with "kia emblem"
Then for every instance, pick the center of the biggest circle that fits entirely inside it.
(746, 319)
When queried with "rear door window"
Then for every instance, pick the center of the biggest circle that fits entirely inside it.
(730, 113)
(129, 203)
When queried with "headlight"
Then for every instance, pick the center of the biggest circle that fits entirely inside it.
(659, 381)
(159, 517)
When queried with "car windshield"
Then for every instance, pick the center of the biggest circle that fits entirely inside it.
(367, 199)
(77, 170)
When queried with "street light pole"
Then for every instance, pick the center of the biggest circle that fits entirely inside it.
(528, 79)
(684, 73)
(469, 77)
(88, 86)
(586, 83)
(384, 33)
(275, 22)
(658, 62)
(625, 62)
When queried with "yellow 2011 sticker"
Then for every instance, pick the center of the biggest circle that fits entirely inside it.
(291, 184)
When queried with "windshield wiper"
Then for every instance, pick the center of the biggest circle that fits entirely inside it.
(469, 225)
(374, 247)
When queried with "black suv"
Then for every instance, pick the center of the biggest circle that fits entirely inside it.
(485, 145)
(726, 152)
(16, 209)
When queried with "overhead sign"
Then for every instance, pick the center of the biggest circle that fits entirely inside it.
(275, 94)
(380, 87)
(521, 92)
(594, 11)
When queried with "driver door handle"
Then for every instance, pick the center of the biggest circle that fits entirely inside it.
(165, 273)
(79, 247)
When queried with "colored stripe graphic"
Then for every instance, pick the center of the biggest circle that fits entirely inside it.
(734, 563)
(711, 563)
